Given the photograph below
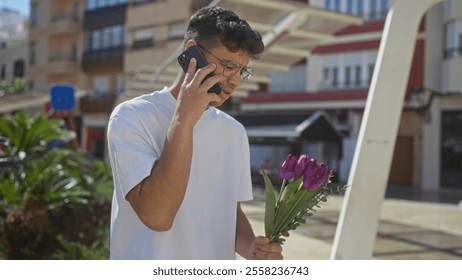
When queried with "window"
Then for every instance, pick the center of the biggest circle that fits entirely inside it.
(106, 41)
(333, 5)
(293, 80)
(358, 75)
(91, 4)
(18, 71)
(3, 72)
(325, 78)
(143, 37)
(370, 73)
(87, 41)
(335, 77)
(33, 14)
(96, 146)
(140, 1)
(74, 52)
(350, 6)
(76, 11)
(119, 84)
(337, 5)
(98, 4)
(373, 9)
(359, 7)
(347, 76)
(118, 35)
(453, 40)
(32, 53)
(104, 38)
(384, 8)
(96, 40)
(451, 149)
(177, 30)
(101, 85)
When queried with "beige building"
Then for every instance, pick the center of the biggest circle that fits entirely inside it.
(55, 44)
(13, 47)
(113, 50)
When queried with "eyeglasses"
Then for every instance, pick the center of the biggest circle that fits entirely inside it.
(230, 67)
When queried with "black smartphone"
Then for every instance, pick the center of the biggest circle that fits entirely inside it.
(194, 51)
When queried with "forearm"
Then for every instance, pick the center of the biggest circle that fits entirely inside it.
(244, 234)
(157, 199)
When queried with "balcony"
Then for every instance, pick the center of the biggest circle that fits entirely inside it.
(64, 23)
(97, 104)
(452, 52)
(105, 16)
(105, 59)
(450, 76)
(64, 63)
(143, 44)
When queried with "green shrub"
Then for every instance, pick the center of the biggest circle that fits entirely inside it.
(54, 202)
(12, 86)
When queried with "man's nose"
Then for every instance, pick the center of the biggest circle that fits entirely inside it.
(235, 79)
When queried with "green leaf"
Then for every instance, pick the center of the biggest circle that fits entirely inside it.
(286, 199)
(270, 204)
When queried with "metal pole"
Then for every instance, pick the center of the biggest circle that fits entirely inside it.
(359, 217)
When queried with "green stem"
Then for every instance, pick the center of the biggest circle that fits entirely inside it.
(283, 187)
(284, 220)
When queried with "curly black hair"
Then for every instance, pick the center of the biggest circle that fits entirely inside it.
(211, 26)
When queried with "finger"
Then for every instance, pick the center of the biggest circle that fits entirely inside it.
(211, 81)
(203, 72)
(272, 248)
(213, 97)
(261, 240)
(263, 255)
(191, 70)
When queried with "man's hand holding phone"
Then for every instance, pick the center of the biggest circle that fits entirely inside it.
(194, 98)
(194, 52)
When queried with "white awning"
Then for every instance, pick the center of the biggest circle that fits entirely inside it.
(21, 101)
(314, 126)
(290, 30)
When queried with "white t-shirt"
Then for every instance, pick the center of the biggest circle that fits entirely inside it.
(205, 225)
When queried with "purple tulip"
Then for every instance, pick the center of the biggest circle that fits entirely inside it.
(288, 167)
(301, 165)
(315, 175)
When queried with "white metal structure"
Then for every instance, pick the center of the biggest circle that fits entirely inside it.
(358, 222)
(289, 29)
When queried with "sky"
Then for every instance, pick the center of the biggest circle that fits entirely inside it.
(19, 5)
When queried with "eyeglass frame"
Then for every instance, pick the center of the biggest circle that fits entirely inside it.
(246, 71)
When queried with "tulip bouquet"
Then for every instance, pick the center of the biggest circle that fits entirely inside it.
(303, 188)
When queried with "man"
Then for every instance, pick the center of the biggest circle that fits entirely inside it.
(181, 166)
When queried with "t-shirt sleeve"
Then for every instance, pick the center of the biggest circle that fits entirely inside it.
(245, 186)
(131, 152)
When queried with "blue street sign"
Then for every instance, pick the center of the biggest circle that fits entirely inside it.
(62, 97)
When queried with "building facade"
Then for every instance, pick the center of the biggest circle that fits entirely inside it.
(336, 78)
(100, 45)
(55, 44)
(442, 134)
(104, 49)
(13, 51)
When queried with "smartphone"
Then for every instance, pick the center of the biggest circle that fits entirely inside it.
(194, 51)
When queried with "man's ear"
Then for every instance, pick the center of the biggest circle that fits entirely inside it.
(189, 43)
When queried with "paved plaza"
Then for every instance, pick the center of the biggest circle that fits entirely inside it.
(408, 229)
